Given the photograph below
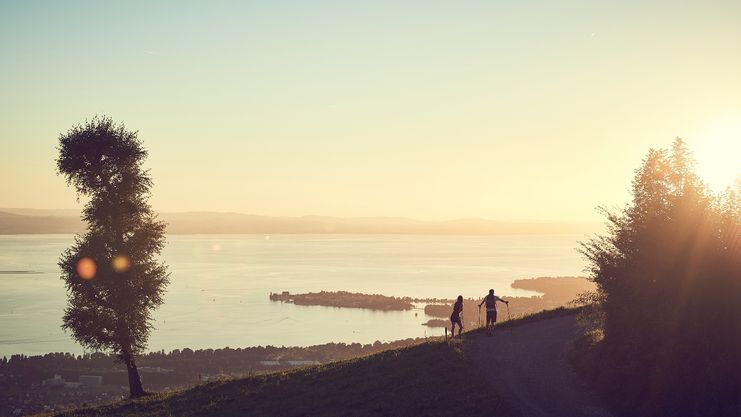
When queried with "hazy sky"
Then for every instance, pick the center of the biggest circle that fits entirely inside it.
(433, 110)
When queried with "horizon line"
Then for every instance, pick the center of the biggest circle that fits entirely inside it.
(376, 217)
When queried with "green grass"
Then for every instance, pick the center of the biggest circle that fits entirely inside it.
(431, 379)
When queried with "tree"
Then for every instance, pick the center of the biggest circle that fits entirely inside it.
(113, 278)
(668, 274)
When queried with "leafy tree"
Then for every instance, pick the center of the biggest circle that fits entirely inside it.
(668, 273)
(113, 278)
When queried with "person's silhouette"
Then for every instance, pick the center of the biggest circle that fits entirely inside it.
(491, 310)
(455, 318)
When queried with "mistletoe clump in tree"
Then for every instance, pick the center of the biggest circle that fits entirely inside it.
(113, 278)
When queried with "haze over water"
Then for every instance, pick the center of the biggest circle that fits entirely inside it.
(220, 284)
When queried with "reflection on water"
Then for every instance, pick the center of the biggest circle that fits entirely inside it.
(220, 284)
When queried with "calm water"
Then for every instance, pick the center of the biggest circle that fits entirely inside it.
(220, 284)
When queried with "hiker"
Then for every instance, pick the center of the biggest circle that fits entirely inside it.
(491, 310)
(456, 316)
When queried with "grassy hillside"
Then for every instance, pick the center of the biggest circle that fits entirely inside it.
(426, 380)
(429, 379)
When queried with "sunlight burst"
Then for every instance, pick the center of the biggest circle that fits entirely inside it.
(718, 154)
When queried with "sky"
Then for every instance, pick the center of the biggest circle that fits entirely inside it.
(526, 110)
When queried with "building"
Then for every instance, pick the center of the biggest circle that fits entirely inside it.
(91, 381)
(302, 363)
(57, 381)
(154, 369)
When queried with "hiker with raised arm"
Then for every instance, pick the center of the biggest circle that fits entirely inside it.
(456, 316)
(491, 310)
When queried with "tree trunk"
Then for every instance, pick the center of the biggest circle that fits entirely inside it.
(135, 383)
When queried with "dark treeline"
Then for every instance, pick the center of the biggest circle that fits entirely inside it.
(180, 367)
(668, 272)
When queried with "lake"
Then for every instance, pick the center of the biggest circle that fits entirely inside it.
(218, 295)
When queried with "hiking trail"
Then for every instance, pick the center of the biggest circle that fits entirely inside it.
(528, 365)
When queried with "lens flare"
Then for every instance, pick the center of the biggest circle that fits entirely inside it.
(717, 153)
(121, 263)
(86, 268)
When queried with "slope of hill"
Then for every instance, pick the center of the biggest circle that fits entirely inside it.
(522, 371)
(431, 379)
(29, 221)
(530, 366)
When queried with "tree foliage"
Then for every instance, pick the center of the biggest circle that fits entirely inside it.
(111, 302)
(668, 273)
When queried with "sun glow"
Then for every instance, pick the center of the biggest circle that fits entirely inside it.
(718, 154)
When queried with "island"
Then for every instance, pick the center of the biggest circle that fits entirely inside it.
(345, 299)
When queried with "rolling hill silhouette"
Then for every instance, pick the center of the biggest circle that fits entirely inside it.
(31, 221)
(510, 374)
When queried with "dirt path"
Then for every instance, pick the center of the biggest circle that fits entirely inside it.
(528, 364)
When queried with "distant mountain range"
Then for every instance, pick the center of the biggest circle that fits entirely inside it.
(34, 221)
(12, 223)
